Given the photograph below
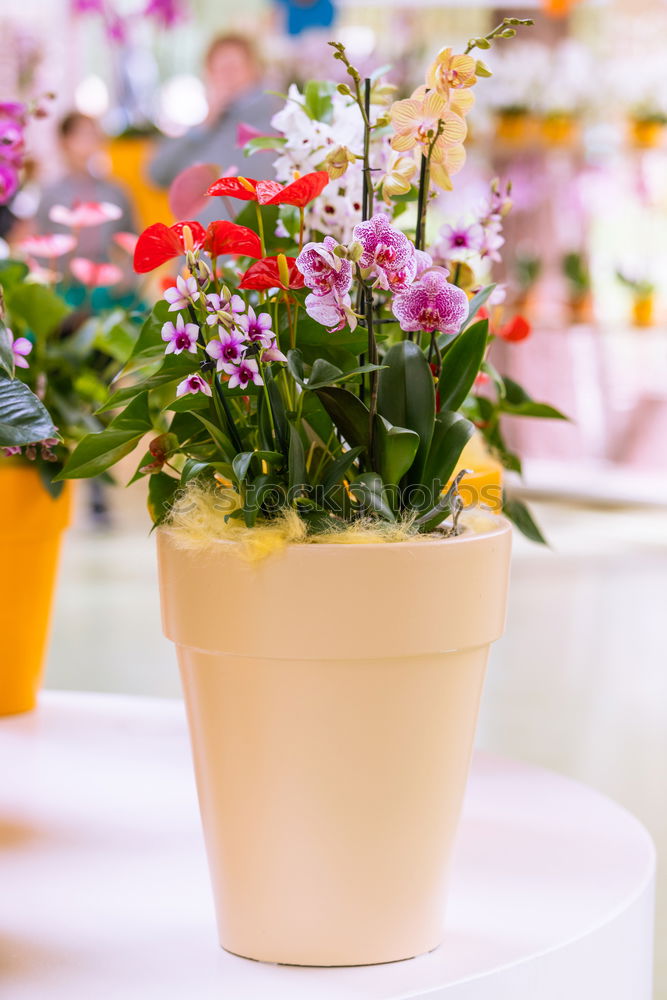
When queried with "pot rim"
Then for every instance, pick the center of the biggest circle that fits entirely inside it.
(501, 527)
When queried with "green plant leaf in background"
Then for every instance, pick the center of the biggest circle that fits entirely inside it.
(40, 308)
(97, 452)
(518, 513)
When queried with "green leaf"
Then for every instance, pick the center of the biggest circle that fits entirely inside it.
(348, 413)
(533, 409)
(318, 99)
(161, 491)
(23, 417)
(368, 491)
(406, 396)
(12, 272)
(149, 343)
(450, 436)
(38, 306)
(476, 303)
(296, 460)
(261, 142)
(518, 513)
(174, 368)
(323, 372)
(241, 464)
(6, 353)
(220, 438)
(461, 364)
(396, 450)
(339, 469)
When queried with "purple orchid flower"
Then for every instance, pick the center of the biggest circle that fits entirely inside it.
(273, 353)
(424, 262)
(323, 271)
(331, 311)
(257, 329)
(459, 240)
(228, 348)
(491, 242)
(9, 182)
(431, 303)
(221, 309)
(166, 12)
(180, 295)
(193, 383)
(242, 374)
(21, 348)
(387, 251)
(180, 337)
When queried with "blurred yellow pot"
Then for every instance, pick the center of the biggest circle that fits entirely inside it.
(332, 695)
(483, 486)
(643, 310)
(31, 527)
(130, 157)
(559, 130)
(646, 134)
(515, 129)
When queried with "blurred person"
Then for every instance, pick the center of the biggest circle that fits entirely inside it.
(235, 95)
(81, 143)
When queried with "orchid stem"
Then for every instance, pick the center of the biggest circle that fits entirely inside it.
(301, 227)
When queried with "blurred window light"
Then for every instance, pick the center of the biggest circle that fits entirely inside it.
(182, 103)
(91, 96)
(358, 39)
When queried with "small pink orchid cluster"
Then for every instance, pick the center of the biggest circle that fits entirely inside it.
(422, 298)
(481, 237)
(29, 451)
(14, 117)
(243, 339)
(165, 14)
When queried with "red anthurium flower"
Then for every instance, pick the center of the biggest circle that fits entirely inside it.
(160, 243)
(266, 273)
(235, 187)
(517, 329)
(298, 193)
(227, 237)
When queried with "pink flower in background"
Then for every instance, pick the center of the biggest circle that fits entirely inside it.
(11, 139)
(93, 274)
(257, 329)
(386, 250)
(424, 262)
(9, 182)
(332, 311)
(245, 132)
(180, 295)
(221, 309)
(492, 242)
(11, 450)
(460, 240)
(322, 270)
(228, 348)
(165, 12)
(51, 246)
(126, 241)
(431, 303)
(21, 348)
(193, 383)
(84, 214)
(180, 336)
(243, 374)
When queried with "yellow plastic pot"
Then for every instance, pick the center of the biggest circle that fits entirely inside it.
(483, 486)
(559, 130)
(515, 129)
(332, 694)
(643, 310)
(130, 157)
(646, 134)
(31, 527)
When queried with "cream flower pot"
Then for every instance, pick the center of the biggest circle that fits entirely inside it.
(332, 694)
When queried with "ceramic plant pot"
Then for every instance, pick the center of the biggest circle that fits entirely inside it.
(31, 528)
(332, 695)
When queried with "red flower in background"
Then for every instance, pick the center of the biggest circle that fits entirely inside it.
(516, 330)
(160, 243)
(266, 273)
(299, 193)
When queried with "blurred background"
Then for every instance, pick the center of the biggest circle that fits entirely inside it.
(576, 118)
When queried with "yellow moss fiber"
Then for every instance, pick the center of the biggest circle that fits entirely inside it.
(198, 515)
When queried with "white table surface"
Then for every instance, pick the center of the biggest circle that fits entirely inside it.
(104, 888)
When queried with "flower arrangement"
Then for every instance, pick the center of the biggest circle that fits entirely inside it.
(320, 364)
(56, 362)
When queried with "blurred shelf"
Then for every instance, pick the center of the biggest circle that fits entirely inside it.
(593, 481)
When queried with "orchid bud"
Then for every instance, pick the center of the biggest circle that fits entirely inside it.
(355, 251)
(343, 89)
(340, 251)
(337, 162)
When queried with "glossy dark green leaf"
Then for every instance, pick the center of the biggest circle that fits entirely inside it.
(296, 460)
(450, 436)
(406, 396)
(339, 469)
(23, 417)
(396, 450)
(161, 492)
(96, 453)
(461, 364)
(348, 413)
(6, 353)
(369, 492)
(241, 464)
(518, 513)
(534, 409)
